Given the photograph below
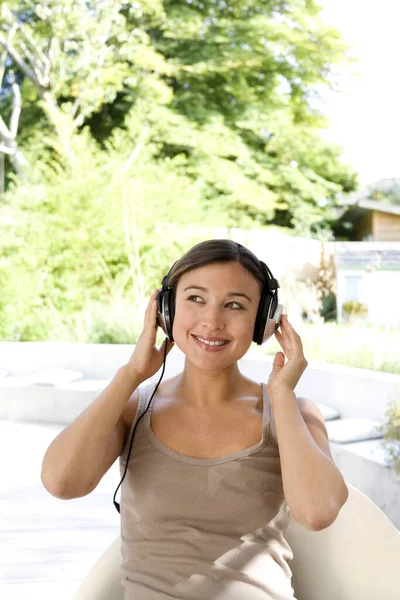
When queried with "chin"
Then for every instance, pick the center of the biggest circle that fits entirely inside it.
(210, 361)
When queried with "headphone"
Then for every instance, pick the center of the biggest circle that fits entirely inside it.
(268, 317)
(268, 320)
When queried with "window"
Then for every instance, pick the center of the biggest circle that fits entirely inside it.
(352, 286)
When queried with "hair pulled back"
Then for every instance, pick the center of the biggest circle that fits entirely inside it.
(216, 251)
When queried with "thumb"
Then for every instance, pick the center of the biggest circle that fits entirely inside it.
(279, 362)
(167, 342)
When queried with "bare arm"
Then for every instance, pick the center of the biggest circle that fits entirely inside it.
(314, 488)
(83, 452)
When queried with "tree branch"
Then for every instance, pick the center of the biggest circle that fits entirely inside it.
(137, 150)
(16, 108)
(7, 150)
(44, 60)
(4, 133)
(23, 65)
(3, 55)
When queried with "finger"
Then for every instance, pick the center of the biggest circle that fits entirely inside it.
(285, 323)
(291, 332)
(152, 303)
(279, 362)
(150, 324)
(283, 338)
(290, 326)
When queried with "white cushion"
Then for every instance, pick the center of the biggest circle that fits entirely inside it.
(54, 376)
(15, 381)
(92, 385)
(355, 558)
(344, 431)
(328, 412)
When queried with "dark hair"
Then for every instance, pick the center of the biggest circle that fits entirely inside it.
(216, 251)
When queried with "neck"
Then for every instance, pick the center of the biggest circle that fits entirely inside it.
(206, 390)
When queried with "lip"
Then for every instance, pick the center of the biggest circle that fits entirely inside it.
(210, 338)
(211, 348)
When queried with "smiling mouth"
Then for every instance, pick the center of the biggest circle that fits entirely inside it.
(210, 344)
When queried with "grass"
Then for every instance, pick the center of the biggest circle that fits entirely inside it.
(352, 345)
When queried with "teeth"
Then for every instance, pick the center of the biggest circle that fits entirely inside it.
(211, 343)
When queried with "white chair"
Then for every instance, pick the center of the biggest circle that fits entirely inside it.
(356, 558)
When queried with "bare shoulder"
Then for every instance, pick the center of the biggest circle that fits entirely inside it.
(309, 408)
(252, 391)
(126, 419)
(129, 412)
(315, 423)
(167, 387)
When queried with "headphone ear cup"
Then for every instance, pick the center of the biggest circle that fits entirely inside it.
(170, 303)
(261, 318)
(166, 311)
(268, 318)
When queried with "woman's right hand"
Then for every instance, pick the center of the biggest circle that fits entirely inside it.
(146, 359)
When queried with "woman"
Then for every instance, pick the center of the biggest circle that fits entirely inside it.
(218, 460)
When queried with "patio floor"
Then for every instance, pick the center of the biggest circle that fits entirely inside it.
(47, 545)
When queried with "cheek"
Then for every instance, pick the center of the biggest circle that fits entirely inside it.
(245, 327)
(183, 319)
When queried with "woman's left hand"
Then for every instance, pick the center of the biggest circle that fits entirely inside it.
(284, 377)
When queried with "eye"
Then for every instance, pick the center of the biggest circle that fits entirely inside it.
(239, 306)
(192, 298)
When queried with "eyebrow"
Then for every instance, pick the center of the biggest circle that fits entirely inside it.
(203, 289)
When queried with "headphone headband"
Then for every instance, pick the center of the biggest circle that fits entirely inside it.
(270, 281)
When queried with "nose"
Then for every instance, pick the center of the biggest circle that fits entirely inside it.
(212, 318)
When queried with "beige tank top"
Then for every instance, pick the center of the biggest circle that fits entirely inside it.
(202, 529)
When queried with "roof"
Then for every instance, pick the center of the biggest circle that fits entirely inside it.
(368, 255)
(352, 212)
(358, 204)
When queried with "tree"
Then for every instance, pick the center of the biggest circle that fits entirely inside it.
(229, 89)
(74, 54)
(8, 135)
(138, 118)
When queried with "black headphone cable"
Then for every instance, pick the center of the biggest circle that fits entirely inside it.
(116, 504)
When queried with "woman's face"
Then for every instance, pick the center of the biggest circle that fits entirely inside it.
(216, 303)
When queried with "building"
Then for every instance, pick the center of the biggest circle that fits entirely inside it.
(371, 214)
(367, 280)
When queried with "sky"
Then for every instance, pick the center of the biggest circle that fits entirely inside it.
(365, 120)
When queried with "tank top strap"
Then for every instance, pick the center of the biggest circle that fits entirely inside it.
(268, 422)
(268, 415)
(145, 392)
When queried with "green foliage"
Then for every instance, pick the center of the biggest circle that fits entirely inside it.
(148, 117)
(329, 307)
(355, 308)
(99, 237)
(359, 345)
(386, 191)
(233, 90)
(391, 433)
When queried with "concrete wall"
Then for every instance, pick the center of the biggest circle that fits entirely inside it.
(296, 263)
(355, 392)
